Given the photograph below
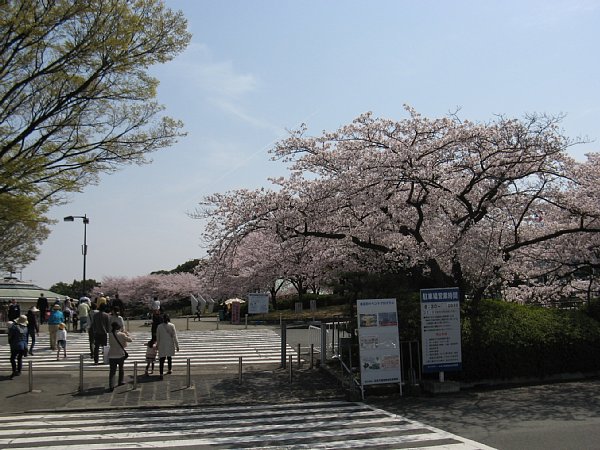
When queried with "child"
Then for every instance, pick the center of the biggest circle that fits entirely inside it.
(75, 319)
(61, 340)
(151, 351)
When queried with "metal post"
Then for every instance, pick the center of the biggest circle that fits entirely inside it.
(240, 370)
(80, 373)
(187, 324)
(30, 375)
(299, 350)
(218, 320)
(246, 321)
(290, 369)
(134, 375)
(323, 344)
(336, 329)
(84, 251)
(283, 343)
(189, 373)
(127, 324)
(312, 352)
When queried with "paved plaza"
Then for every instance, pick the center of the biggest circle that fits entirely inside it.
(209, 404)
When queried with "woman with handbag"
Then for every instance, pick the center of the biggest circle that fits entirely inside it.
(167, 344)
(117, 354)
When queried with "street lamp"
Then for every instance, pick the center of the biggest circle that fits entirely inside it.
(84, 248)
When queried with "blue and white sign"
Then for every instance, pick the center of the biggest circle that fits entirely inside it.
(258, 303)
(440, 329)
(378, 341)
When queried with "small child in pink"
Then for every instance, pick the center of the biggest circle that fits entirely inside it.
(151, 352)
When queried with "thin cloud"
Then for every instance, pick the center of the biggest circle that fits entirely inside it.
(219, 83)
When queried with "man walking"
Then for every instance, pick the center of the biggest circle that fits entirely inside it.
(83, 311)
(42, 305)
(14, 310)
(100, 328)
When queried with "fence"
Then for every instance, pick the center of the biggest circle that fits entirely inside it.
(337, 340)
(308, 344)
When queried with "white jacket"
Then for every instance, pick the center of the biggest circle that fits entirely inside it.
(166, 340)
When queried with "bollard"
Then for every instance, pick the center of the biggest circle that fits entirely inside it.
(30, 374)
(127, 319)
(189, 373)
(218, 320)
(135, 375)
(187, 324)
(290, 369)
(312, 352)
(246, 321)
(283, 344)
(299, 360)
(240, 371)
(81, 373)
(324, 345)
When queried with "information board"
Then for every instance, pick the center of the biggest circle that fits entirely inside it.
(378, 341)
(258, 303)
(440, 329)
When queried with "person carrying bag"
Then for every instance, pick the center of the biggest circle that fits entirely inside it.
(117, 354)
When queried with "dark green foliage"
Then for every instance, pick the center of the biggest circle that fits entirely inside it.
(593, 309)
(507, 340)
(187, 267)
(74, 289)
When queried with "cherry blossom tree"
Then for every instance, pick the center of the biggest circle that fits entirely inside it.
(262, 261)
(144, 288)
(458, 200)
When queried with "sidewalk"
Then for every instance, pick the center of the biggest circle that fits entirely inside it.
(60, 389)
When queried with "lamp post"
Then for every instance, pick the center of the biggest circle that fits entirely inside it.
(86, 220)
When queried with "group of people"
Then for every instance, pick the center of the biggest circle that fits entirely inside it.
(21, 329)
(107, 336)
(163, 342)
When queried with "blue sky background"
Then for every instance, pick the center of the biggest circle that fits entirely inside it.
(255, 69)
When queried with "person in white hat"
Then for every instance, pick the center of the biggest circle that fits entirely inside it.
(17, 339)
(33, 327)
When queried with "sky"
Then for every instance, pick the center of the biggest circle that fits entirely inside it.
(255, 70)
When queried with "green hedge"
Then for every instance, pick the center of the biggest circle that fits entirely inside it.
(507, 340)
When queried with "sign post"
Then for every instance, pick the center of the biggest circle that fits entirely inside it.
(378, 342)
(440, 330)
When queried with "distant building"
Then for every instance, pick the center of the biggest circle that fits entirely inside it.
(25, 293)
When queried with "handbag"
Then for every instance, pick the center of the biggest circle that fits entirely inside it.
(119, 342)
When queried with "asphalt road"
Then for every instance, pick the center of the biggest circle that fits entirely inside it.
(551, 416)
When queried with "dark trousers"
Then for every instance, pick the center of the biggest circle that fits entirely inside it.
(91, 339)
(16, 359)
(161, 362)
(114, 363)
(32, 336)
(99, 341)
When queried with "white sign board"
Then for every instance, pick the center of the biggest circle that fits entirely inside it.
(378, 341)
(440, 329)
(258, 303)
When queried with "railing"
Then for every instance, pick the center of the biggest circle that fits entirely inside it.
(334, 331)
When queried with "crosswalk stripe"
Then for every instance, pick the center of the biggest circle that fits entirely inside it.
(334, 424)
(201, 347)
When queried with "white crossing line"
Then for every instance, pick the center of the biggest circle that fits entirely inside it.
(316, 425)
(217, 347)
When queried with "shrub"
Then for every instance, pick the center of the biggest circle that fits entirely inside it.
(506, 340)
